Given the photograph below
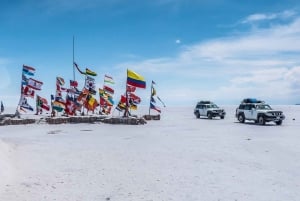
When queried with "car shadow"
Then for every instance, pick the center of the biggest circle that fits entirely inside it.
(255, 124)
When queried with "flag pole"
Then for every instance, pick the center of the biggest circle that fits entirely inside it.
(73, 60)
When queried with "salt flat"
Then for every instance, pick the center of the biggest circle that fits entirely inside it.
(177, 158)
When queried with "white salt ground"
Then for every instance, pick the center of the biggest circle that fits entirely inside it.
(177, 158)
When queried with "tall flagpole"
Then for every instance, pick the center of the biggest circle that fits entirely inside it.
(73, 61)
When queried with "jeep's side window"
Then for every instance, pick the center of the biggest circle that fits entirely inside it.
(242, 107)
(247, 107)
(198, 107)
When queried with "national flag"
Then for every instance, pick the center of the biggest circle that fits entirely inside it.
(133, 106)
(90, 82)
(108, 79)
(130, 88)
(58, 106)
(135, 99)
(92, 103)
(152, 99)
(28, 92)
(90, 72)
(152, 106)
(153, 91)
(28, 70)
(24, 104)
(60, 81)
(108, 89)
(73, 83)
(52, 97)
(24, 80)
(83, 95)
(34, 84)
(42, 103)
(2, 107)
(70, 105)
(135, 79)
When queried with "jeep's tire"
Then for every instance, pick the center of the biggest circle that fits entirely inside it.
(209, 115)
(241, 118)
(222, 117)
(198, 115)
(261, 120)
(278, 122)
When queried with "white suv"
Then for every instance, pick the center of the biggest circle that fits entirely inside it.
(209, 110)
(258, 111)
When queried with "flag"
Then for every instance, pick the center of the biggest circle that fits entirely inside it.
(60, 81)
(42, 103)
(153, 92)
(70, 105)
(24, 105)
(34, 84)
(28, 70)
(2, 107)
(28, 92)
(152, 99)
(153, 82)
(24, 80)
(108, 79)
(130, 88)
(89, 72)
(73, 83)
(90, 82)
(92, 103)
(58, 106)
(135, 99)
(135, 79)
(108, 89)
(152, 106)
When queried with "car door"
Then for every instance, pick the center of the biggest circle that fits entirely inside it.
(202, 110)
(248, 112)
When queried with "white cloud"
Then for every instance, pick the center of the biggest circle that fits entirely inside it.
(262, 16)
(177, 41)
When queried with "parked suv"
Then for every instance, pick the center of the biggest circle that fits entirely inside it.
(209, 110)
(258, 111)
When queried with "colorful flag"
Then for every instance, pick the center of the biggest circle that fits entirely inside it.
(24, 80)
(60, 81)
(134, 98)
(73, 83)
(92, 103)
(24, 105)
(58, 106)
(34, 84)
(130, 88)
(28, 70)
(89, 72)
(2, 107)
(135, 79)
(108, 79)
(153, 92)
(152, 106)
(42, 103)
(108, 89)
(90, 82)
(28, 92)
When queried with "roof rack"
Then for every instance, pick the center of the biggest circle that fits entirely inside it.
(205, 102)
(252, 100)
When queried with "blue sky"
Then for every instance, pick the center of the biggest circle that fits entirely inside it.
(219, 50)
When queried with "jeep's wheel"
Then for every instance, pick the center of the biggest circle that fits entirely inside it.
(241, 118)
(209, 115)
(198, 115)
(261, 120)
(278, 122)
(222, 117)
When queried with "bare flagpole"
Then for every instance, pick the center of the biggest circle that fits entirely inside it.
(73, 61)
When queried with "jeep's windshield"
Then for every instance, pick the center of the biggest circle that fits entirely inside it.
(263, 107)
(212, 106)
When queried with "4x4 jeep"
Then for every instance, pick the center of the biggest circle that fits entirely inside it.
(258, 111)
(209, 110)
